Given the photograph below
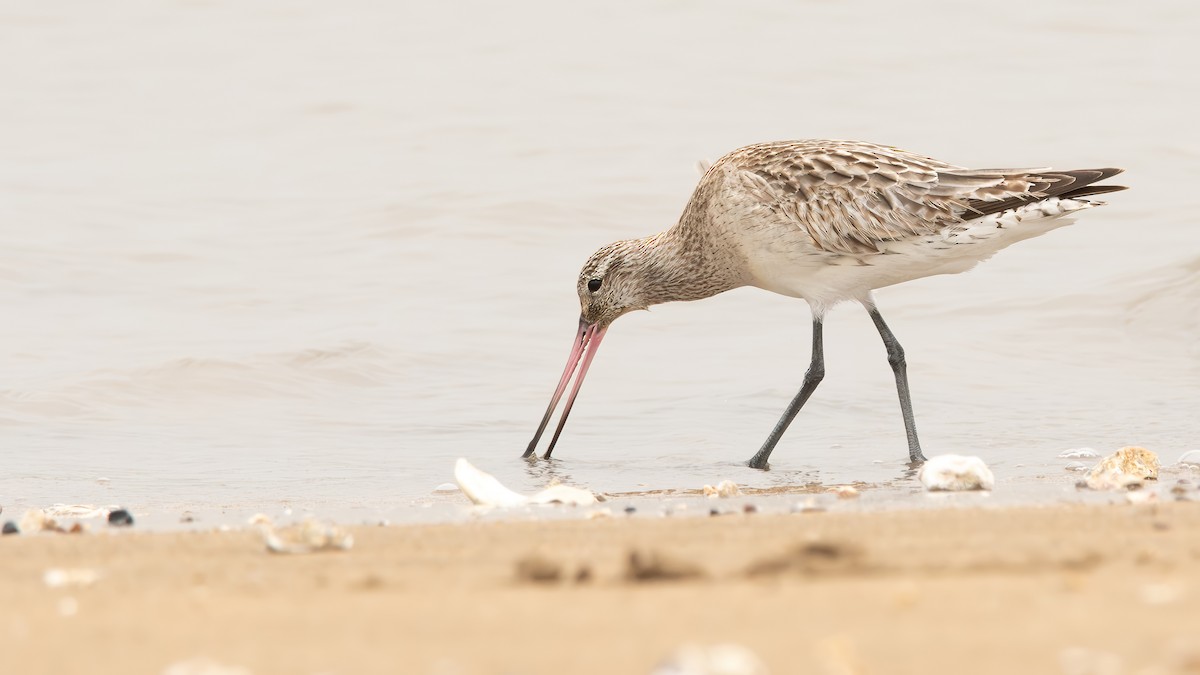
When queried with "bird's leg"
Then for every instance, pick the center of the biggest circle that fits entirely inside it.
(895, 355)
(812, 377)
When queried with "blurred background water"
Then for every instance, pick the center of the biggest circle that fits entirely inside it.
(270, 253)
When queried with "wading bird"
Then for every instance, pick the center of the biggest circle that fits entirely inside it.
(827, 222)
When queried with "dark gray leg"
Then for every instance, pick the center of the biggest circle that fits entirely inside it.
(812, 377)
(895, 355)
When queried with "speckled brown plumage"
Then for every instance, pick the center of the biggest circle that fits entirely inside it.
(828, 203)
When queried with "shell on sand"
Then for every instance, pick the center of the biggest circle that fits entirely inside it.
(309, 536)
(482, 488)
(725, 488)
(1128, 466)
(955, 473)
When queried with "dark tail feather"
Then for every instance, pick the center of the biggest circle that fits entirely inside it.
(1092, 190)
(1062, 184)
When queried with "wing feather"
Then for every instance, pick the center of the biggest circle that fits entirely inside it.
(851, 197)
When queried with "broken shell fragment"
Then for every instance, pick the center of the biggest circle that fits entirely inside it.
(1124, 468)
(955, 473)
(1190, 459)
(74, 511)
(309, 536)
(725, 488)
(1078, 453)
(844, 491)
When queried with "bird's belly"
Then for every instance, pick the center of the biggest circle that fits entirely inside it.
(789, 263)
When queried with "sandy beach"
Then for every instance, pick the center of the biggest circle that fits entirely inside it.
(1056, 589)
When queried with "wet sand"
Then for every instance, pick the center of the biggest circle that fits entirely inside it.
(1071, 588)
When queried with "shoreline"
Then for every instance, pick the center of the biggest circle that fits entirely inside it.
(986, 590)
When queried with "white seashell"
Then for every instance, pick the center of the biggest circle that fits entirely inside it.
(445, 487)
(720, 659)
(564, 494)
(1078, 453)
(483, 488)
(844, 491)
(1128, 466)
(599, 513)
(954, 473)
(57, 577)
(1190, 459)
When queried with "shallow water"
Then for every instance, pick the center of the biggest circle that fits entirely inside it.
(279, 254)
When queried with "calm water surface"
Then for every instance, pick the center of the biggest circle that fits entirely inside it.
(286, 255)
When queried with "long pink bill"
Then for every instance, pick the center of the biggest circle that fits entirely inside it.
(587, 341)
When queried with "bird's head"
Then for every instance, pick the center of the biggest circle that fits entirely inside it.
(613, 282)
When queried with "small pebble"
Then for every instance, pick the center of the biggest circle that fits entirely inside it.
(714, 512)
(120, 518)
(11, 528)
(749, 508)
(630, 510)
(187, 517)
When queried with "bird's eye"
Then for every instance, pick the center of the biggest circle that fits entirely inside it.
(593, 285)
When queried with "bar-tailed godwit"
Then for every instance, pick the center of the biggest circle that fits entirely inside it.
(827, 222)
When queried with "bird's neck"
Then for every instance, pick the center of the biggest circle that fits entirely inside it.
(689, 262)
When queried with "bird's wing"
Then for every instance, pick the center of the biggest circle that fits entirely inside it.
(850, 197)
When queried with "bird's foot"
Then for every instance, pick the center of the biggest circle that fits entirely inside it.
(759, 463)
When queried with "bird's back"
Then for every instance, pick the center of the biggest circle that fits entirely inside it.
(803, 211)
